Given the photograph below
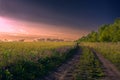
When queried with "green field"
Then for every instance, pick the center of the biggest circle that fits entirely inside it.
(110, 51)
(34, 60)
(31, 60)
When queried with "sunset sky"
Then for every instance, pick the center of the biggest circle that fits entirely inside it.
(71, 18)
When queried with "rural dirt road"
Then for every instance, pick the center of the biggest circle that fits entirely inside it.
(111, 72)
(66, 70)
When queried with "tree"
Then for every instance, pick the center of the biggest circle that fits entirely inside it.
(106, 33)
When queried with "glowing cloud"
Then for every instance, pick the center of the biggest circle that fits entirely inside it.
(5, 26)
(8, 25)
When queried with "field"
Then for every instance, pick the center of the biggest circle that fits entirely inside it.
(31, 60)
(110, 51)
(58, 60)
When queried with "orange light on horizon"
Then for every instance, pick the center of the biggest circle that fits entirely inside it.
(5, 26)
(9, 25)
(16, 26)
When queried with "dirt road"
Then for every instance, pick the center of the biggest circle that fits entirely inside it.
(110, 70)
(66, 70)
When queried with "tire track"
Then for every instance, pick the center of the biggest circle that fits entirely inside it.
(66, 70)
(110, 70)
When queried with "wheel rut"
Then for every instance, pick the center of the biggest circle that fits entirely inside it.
(66, 70)
(111, 72)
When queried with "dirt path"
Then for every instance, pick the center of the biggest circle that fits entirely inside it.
(66, 70)
(111, 71)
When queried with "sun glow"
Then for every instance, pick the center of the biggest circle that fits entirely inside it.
(9, 25)
(14, 26)
(5, 26)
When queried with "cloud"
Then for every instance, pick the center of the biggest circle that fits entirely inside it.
(9, 25)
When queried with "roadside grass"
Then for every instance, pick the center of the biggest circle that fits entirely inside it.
(110, 51)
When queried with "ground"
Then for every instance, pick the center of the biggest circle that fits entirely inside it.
(67, 69)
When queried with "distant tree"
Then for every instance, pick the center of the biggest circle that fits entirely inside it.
(117, 21)
(21, 40)
(41, 39)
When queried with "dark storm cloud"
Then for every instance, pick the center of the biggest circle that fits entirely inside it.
(73, 13)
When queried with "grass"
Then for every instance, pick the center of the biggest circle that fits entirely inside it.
(32, 60)
(110, 51)
(89, 67)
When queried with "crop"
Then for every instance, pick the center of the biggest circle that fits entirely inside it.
(110, 51)
(32, 60)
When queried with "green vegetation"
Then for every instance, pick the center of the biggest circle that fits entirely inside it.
(89, 67)
(106, 33)
(111, 51)
(105, 41)
(32, 60)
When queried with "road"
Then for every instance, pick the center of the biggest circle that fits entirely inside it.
(110, 70)
(66, 70)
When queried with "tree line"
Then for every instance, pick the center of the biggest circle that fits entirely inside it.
(106, 33)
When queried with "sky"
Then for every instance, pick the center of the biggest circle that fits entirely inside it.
(72, 18)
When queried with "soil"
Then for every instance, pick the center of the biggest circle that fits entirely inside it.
(66, 70)
(111, 72)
